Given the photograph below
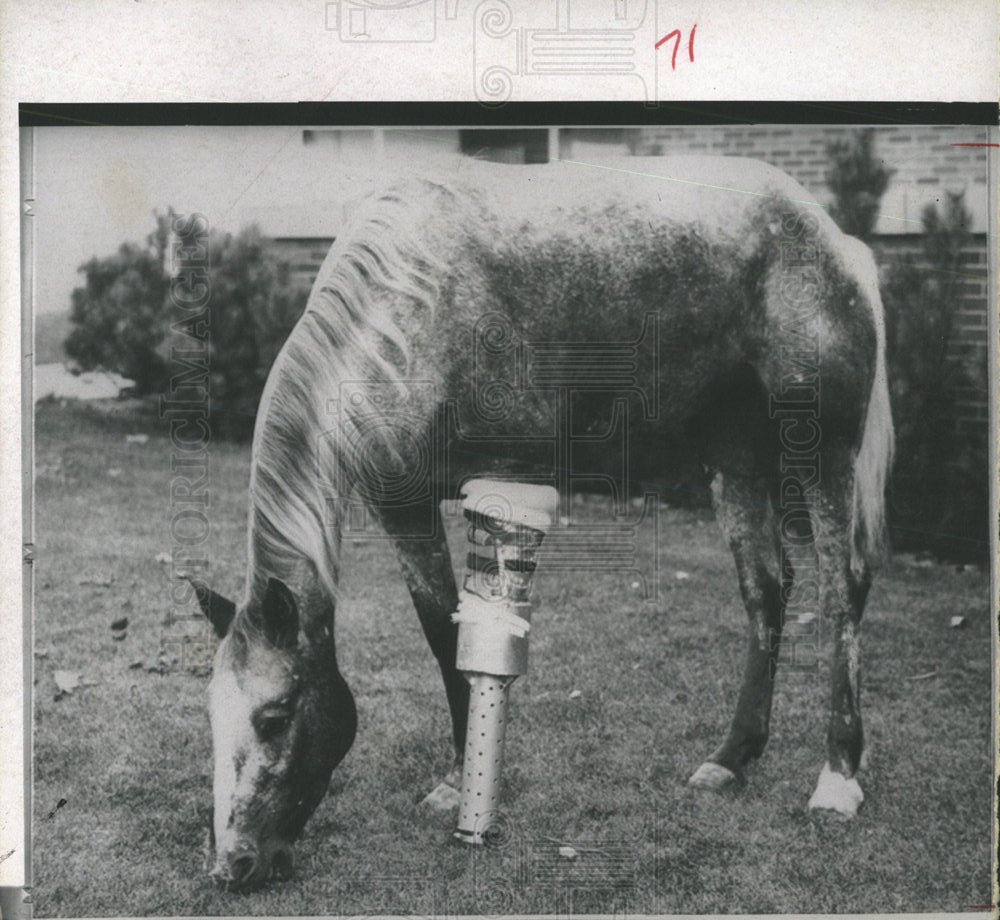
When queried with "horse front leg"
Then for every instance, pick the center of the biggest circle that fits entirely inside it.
(427, 569)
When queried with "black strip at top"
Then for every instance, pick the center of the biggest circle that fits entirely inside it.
(512, 114)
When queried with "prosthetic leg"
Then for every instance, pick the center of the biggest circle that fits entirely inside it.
(507, 522)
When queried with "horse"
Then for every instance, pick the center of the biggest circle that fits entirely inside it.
(415, 366)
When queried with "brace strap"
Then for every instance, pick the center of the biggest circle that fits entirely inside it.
(473, 609)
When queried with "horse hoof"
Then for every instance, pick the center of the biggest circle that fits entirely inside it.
(711, 776)
(835, 792)
(442, 798)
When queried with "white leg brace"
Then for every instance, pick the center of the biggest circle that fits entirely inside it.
(507, 522)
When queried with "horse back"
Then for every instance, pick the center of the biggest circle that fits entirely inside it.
(685, 261)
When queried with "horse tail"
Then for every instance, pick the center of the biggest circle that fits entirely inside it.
(874, 456)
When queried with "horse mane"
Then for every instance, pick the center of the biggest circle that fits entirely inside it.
(378, 273)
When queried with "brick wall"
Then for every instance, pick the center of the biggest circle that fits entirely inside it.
(924, 158)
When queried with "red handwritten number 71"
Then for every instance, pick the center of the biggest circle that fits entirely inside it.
(676, 36)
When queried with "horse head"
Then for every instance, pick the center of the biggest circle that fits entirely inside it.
(282, 718)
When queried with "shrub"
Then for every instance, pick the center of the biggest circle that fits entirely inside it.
(118, 314)
(122, 315)
(253, 309)
(939, 498)
(858, 181)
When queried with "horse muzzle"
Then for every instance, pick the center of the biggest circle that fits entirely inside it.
(248, 867)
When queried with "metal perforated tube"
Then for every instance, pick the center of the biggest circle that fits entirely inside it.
(484, 745)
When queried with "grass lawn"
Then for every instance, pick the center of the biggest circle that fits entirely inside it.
(603, 772)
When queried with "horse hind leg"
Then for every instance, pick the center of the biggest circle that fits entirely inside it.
(742, 505)
(418, 533)
(843, 591)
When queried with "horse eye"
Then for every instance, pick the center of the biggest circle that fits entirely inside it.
(272, 725)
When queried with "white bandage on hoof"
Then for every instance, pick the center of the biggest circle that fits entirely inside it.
(711, 776)
(835, 792)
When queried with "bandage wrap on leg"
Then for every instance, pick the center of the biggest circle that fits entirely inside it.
(507, 522)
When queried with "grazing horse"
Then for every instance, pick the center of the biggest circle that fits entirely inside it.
(419, 363)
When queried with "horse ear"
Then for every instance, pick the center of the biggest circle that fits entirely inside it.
(280, 615)
(219, 610)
